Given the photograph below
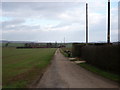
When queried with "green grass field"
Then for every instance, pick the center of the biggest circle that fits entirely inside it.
(21, 66)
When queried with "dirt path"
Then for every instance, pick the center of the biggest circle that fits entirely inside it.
(65, 74)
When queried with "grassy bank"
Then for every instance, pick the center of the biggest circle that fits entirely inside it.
(21, 66)
(62, 51)
(100, 72)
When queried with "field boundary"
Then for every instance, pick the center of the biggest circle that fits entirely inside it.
(37, 80)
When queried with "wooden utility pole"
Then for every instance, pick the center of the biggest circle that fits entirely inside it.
(108, 34)
(86, 24)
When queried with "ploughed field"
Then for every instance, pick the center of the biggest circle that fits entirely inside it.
(20, 67)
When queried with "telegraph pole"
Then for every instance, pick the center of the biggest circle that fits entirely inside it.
(64, 40)
(86, 24)
(108, 34)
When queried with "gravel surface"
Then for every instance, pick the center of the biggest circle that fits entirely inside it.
(63, 73)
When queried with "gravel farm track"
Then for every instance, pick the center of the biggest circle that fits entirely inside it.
(63, 73)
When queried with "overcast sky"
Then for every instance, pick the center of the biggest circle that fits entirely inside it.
(52, 21)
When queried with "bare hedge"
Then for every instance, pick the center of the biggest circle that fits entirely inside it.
(102, 56)
(76, 49)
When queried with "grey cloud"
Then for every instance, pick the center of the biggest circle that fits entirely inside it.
(13, 22)
(7, 6)
(50, 11)
(18, 24)
(21, 27)
(40, 9)
(46, 36)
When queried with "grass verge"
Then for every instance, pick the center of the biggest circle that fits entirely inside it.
(62, 51)
(100, 72)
